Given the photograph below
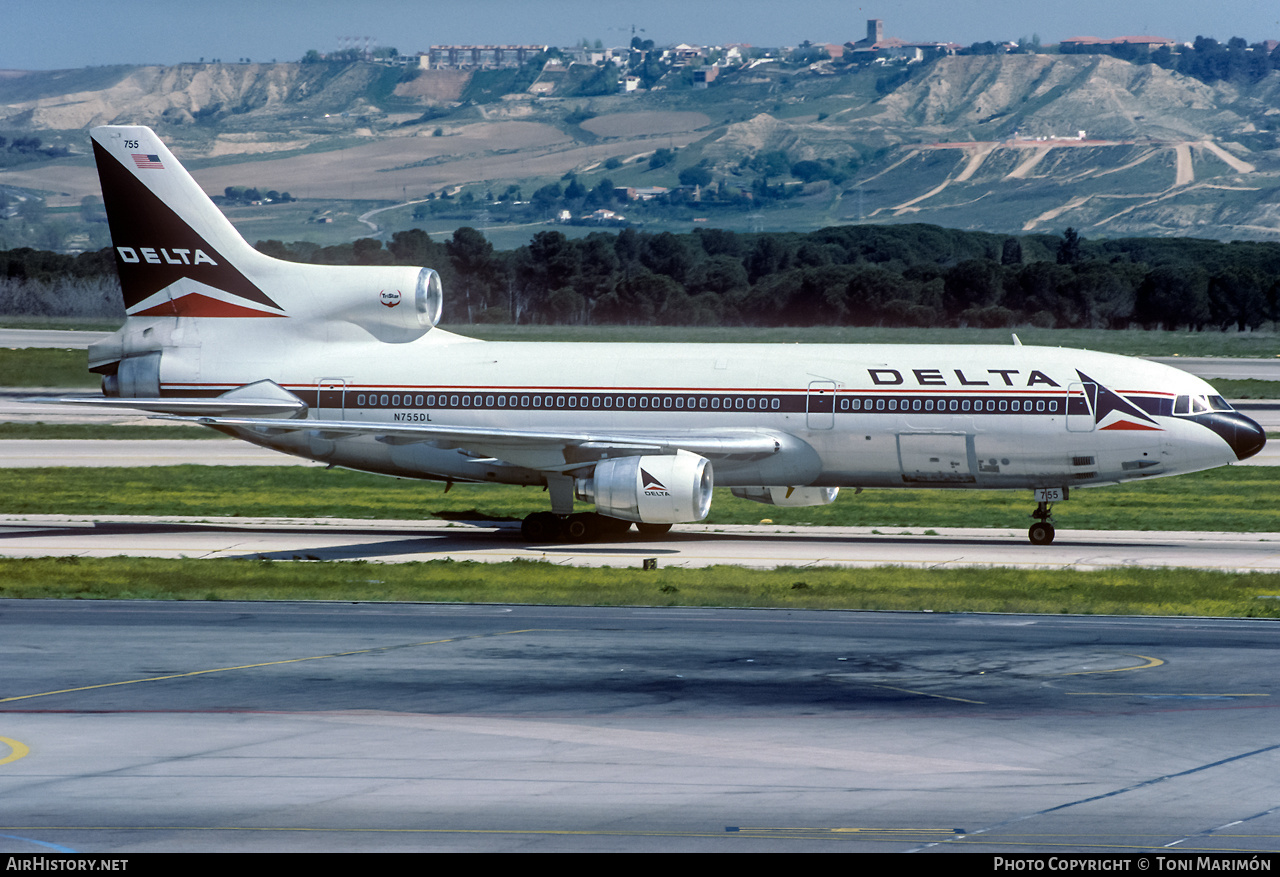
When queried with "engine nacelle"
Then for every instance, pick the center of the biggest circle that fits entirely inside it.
(651, 490)
(788, 496)
(394, 304)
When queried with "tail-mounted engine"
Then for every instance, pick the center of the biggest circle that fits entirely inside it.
(651, 490)
(392, 303)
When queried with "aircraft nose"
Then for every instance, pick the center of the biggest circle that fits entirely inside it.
(1245, 436)
(1250, 437)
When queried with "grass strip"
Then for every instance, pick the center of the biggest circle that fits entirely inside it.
(46, 367)
(1102, 592)
(78, 324)
(1246, 388)
(1243, 499)
(40, 430)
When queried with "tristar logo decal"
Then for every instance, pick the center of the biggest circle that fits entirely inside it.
(390, 297)
(652, 486)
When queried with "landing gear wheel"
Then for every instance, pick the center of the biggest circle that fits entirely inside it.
(577, 528)
(540, 527)
(1041, 533)
(653, 531)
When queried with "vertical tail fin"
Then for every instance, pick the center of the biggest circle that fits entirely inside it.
(178, 256)
(176, 253)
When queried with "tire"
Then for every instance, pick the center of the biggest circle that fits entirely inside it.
(576, 528)
(540, 527)
(1041, 533)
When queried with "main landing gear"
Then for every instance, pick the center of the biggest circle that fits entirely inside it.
(581, 527)
(1041, 532)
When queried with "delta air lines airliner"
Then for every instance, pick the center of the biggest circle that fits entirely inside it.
(345, 365)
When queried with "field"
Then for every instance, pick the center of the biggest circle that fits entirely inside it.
(116, 432)
(644, 124)
(404, 168)
(1106, 592)
(297, 221)
(1212, 501)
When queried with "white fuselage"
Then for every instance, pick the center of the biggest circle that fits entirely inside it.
(860, 415)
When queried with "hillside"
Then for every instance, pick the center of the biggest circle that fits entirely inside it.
(952, 142)
(159, 96)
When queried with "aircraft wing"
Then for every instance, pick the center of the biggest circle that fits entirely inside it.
(268, 410)
(552, 450)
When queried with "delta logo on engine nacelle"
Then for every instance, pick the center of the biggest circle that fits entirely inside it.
(652, 486)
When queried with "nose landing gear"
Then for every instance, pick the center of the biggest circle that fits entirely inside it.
(1042, 532)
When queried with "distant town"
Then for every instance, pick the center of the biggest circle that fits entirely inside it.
(640, 64)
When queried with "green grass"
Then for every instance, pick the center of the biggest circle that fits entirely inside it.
(82, 431)
(1246, 389)
(46, 367)
(291, 221)
(86, 324)
(1236, 499)
(1104, 592)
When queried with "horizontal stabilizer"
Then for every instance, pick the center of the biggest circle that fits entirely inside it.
(260, 399)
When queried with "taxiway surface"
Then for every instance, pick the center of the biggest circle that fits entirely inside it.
(236, 726)
(764, 546)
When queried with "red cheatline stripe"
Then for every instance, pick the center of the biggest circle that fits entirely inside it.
(1128, 424)
(197, 305)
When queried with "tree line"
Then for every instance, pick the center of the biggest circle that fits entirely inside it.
(1206, 59)
(899, 275)
(894, 275)
(47, 284)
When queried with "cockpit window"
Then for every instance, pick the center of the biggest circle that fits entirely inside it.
(1200, 404)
